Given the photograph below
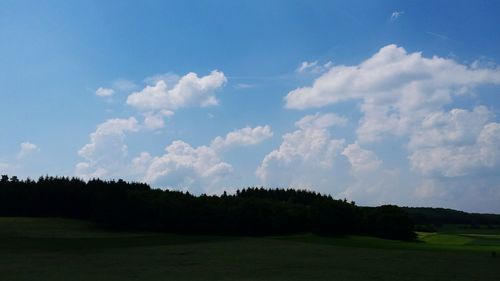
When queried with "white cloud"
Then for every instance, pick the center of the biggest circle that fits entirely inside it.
(313, 67)
(483, 62)
(396, 14)
(408, 100)
(383, 186)
(243, 137)
(455, 127)
(305, 157)
(185, 166)
(190, 90)
(196, 168)
(106, 154)
(141, 163)
(456, 143)
(151, 97)
(87, 171)
(361, 160)
(396, 89)
(156, 120)
(104, 92)
(181, 166)
(320, 121)
(306, 65)
(26, 149)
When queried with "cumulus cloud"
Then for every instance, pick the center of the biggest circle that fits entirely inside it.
(382, 186)
(305, 156)
(104, 92)
(26, 149)
(397, 90)
(156, 120)
(361, 160)
(185, 166)
(243, 137)
(169, 92)
(190, 90)
(141, 163)
(455, 127)
(151, 97)
(456, 143)
(196, 168)
(409, 99)
(106, 153)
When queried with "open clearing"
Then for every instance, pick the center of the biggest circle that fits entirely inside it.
(58, 249)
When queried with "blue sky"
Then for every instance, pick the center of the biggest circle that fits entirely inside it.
(378, 102)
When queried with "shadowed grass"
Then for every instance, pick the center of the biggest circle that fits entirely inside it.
(55, 249)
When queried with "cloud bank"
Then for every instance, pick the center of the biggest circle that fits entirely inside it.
(411, 142)
(199, 168)
(409, 99)
(181, 166)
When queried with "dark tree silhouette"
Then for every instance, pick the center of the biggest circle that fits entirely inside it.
(251, 211)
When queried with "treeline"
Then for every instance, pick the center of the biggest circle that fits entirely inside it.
(439, 216)
(252, 211)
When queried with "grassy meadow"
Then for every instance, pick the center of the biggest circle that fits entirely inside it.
(60, 249)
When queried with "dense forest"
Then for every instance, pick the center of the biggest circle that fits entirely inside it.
(252, 211)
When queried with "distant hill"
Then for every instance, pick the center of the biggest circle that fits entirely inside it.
(442, 216)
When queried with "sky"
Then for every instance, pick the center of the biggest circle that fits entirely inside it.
(379, 102)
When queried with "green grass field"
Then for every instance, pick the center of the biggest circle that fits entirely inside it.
(57, 249)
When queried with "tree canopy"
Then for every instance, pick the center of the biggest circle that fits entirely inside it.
(251, 211)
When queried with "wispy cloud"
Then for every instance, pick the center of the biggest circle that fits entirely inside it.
(124, 85)
(396, 15)
(104, 92)
(440, 36)
(241, 86)
(169, 78)
(313, 67)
